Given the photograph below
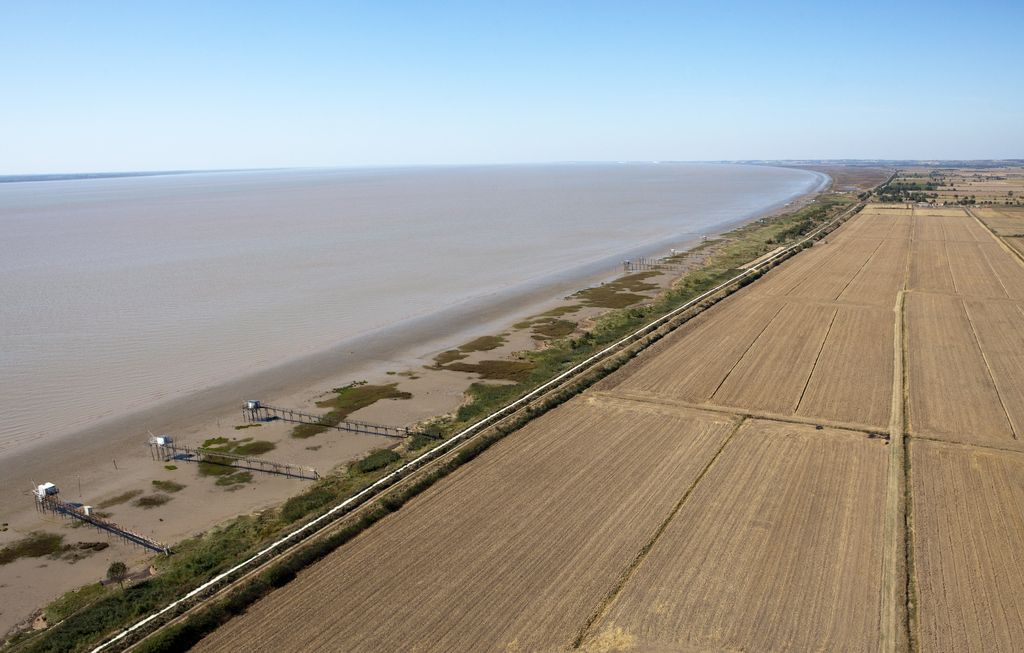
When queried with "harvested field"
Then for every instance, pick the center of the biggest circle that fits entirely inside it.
(968, 518)
(1017, 244)
(782, 280)
(928, 227)
(881, 278)
(972, 275)
(512, 552)
(691, 363)
(852, 380)
(777, 548)
(929, 267)
(951, 392)
(848, 258)
(1007, 268)
(964, 228)
(1003, 221)
(998, 327)
(772, 374)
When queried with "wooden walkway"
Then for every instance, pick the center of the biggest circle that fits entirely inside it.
(77, 511)
(169, 451)
(255, 411)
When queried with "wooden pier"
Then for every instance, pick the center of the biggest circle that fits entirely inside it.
(164, 449)
(255, 411)
(645, 263)
(47, 501)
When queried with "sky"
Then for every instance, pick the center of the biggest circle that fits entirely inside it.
(119, 86)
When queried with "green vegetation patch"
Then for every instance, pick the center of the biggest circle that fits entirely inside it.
(503, 370)
(170, 467)
(483, 343)
(73, 601)
(242, 427)
(377, 459)
(619, 293)
(214, 465)
(168, 486)
(553, 328)
(255, 448)
(346, 401)
(119, 499)
(234, 479)
(561, 311)
(449, 356)
(34, 545)
(152, 500)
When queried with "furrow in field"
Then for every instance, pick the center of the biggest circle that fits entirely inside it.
(929, 267)
(968, 508)
(692, 365)
(951, 393)
(881, 278)
(777, 548)
(846, 261)
(972, 275)
(1007, 268)
(852, 380)
(772, 374)
(512, 552)
(998, 326)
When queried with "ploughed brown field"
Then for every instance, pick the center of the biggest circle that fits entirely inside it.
(741, 485)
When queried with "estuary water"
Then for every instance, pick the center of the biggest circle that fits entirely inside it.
(118, 293)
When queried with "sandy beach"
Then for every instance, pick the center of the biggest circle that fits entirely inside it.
(103, 462)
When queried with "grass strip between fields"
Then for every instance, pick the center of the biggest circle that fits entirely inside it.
(218, 557)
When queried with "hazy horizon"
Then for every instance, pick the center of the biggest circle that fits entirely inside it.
(106, 86)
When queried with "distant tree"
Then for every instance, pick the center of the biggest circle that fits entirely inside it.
(117, 572)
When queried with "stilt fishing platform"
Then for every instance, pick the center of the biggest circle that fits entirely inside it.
(48, 501)
(163, 448)
(255, 411)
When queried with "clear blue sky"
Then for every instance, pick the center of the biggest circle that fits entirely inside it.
(96, 85)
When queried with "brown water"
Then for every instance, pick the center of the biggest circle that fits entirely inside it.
(118, 293)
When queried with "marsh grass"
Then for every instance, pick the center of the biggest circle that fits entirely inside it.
(34, 545)
(119, 499)
(152, 501)
(168, 486)
(346, 401)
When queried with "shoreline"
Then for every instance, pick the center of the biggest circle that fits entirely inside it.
(424, 333)
(111, 456)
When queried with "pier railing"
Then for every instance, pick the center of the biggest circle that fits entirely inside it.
(255, 411)
(55, 505)
(165, 451)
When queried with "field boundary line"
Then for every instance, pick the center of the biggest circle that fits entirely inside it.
(640, 397)
(613, 593)
(862, 267)
(952, 277)
(739, 359)
(988, 264)
(817, 357)
(999, 239)
(988, 367)
(462, 437)
(894, 636)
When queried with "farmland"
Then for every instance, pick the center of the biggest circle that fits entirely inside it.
(829, 459)
(776, 548)
(514, 511)
(968, 516)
